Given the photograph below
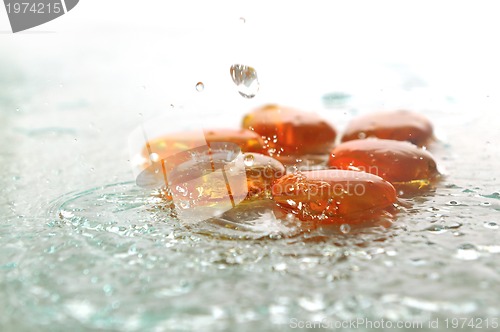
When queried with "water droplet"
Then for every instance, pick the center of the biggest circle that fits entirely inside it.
(453, 203)
(248, 160)
(154, 157)
(436, 229)
(311, 304)
(200, 86)
(361, 135)
(467, 252)
(280, 267)
(491, 225)
(246, 80)
(345, 228)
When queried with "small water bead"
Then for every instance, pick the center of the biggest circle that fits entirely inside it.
(154, 157)
(490, 225)
(246, 80)
(345, 228)
(248, 160)
(200, 86)
(399, 125)
(467, 252)
(437, 229)
(280, 267)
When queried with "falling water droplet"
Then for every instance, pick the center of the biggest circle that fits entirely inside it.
(248, 160)
(246, 80)
(200, 86)
(345, 228)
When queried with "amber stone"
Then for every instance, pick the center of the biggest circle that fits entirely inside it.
(398, 125)
(170, 144)
(333, 195)
(219, 174)
(261, 172)
(290, 132)
(401, 163)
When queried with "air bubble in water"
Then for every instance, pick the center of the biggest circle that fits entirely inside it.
(345, 228)
(248, 160)
(246, 80)
(200, 86)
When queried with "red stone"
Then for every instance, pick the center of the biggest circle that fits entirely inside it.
(261, 172)
(401, 163)
(173, 143)
(333, 195)
(399, 125)
(290, 132)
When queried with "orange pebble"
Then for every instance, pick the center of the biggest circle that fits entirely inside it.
(401, 163)
(171, 144)
(399, 125)
(289, 132)
(261, 171)
(333, 195)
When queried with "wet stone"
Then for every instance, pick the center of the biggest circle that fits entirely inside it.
(173, 143)
(337, 196)
(261, 172)
(401, 125)
(403, 164)
(288, 132)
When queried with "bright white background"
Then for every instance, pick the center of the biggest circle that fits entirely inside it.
(451, 43)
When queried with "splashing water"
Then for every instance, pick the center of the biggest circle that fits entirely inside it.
(246, 80)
